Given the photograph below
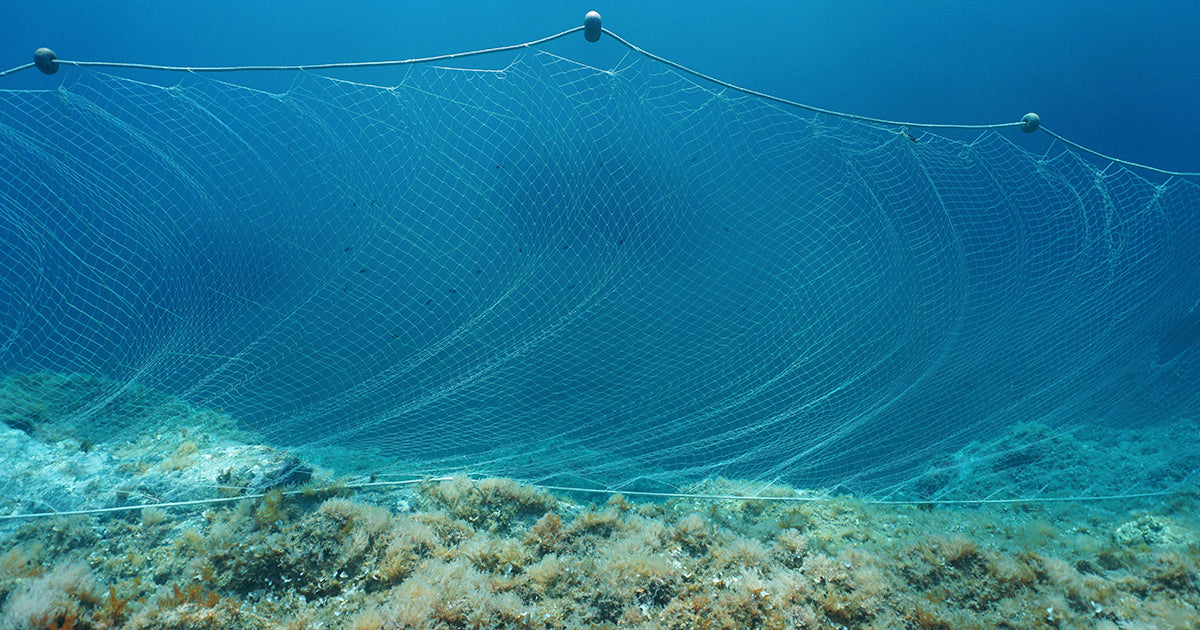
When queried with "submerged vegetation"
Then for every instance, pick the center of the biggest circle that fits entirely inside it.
(493, 553)
(277, 548)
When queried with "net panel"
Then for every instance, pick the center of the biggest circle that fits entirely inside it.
(555, 272)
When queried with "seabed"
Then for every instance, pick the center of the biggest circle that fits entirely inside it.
(285, 546)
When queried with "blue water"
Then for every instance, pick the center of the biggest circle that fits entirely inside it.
(332, 281)
(1119, 79)
(686, 270)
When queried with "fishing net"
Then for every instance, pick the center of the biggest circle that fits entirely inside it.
(625, 278)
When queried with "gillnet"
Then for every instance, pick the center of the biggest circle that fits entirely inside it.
(623, 278)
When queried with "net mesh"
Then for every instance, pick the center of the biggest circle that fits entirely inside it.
(559, 273)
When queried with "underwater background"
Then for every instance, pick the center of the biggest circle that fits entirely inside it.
(189, 293)
(1117, 78)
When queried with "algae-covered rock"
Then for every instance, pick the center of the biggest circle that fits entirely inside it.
(1144, 530)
